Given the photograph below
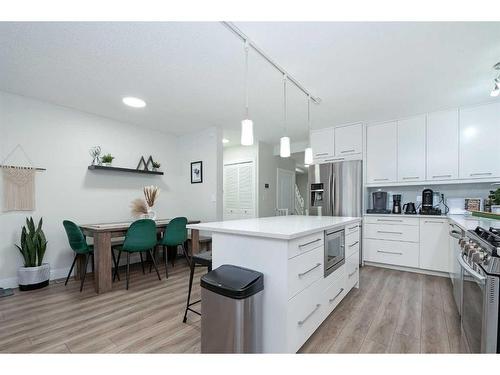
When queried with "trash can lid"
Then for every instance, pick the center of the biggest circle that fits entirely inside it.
(233, 281)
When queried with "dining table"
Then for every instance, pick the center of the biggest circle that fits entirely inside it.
(103, 233)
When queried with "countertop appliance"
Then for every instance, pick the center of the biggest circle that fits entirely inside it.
(396, 204)
(334, 250)
(409, 208)
(428, 203)
(379, 203)
(480, 265)
(336, 189)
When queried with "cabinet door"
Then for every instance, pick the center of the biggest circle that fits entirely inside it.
(411, 149)
(322, 143)
(479, 141)
(434, 245)
(349, 140)
(442, 145)
(381, 152)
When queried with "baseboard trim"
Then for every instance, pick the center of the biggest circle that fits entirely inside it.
(408, 269)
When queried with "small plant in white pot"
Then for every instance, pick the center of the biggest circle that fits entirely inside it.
(107, 160)
(35, 274)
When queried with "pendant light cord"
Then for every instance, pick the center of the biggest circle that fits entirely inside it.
(284, 104)
(246, 79)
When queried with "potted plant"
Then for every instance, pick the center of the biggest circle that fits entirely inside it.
(107, 160)
(156, 166)
(495, 201)
(35, 274)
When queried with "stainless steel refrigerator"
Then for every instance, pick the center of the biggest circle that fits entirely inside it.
(336, 189)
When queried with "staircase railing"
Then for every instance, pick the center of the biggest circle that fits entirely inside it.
(299, 202)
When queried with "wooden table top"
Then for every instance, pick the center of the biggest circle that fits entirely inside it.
(123, 225)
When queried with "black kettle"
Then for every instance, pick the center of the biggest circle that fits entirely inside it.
(409, 208)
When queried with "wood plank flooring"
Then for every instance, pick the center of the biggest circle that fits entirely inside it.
(392, 312)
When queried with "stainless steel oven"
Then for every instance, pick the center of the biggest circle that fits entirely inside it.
(334, 250)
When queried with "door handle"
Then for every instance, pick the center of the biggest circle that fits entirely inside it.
(338, 294)
(466, 267)
(301, 322)
(391, 220)
(334, 159)
(410, 178)
(309, 270)
(322, 154)
(352, 228)
(481, 174)
(380, 179)
(432, 222)
(389, 252)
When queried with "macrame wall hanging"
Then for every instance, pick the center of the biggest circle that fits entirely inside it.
(18, 184)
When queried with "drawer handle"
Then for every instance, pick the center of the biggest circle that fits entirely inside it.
(391, 220)
(380, 179)
(351, 274)
(433, 222)
(388, 232)
(389, 252)
(322, 154)
(346, 151)
(301, 322)
(338, 294)
(310, 242)
(481, 174)
(410, 178)
(442, 176)
(309, 270)
(334, 159)
(352, 228)
(354, 244)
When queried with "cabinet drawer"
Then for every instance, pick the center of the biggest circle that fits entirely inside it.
(391, 220)
(396, 232)
(305, 314)
(334, 291)
(352, 270)
(304, 244)
(352, 228)
(305, 269)
(351, 243)
(391, 252)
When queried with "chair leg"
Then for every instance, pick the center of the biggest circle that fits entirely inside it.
(154, 264)
(191, 275)
(116, 268)
(93, 266)
(71, 269)
(142, 264)
(165, 259)
(128, 268)
(116, 265)
(87, 256)
(188, 258)
(152, 256)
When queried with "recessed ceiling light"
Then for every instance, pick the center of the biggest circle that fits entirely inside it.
(225, 140)
(134, 102)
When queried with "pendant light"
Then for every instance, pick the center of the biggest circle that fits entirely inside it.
(308, 153)
(284, 141)
(246, 124)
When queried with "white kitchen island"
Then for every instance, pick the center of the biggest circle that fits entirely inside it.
(289, 251)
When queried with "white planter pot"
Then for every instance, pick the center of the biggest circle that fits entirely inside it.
(30, 278)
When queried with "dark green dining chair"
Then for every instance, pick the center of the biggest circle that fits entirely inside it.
(140, 238)
(78, 244)
(175, 235)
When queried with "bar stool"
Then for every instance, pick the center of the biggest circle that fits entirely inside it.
(203, 259)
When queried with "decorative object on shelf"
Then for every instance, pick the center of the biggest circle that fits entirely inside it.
(473, 204)
(495, 201)
(19, 183)
(156, 166)
(107, 160)
(35, 274)
(143, 208)
(149, 165)
(95, 152)
(196, 172)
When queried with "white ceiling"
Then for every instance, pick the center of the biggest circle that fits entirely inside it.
(191, 74)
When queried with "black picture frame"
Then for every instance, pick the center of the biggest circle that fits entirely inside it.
(196, 166)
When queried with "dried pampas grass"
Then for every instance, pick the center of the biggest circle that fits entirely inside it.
(138, 207)
(151, 193)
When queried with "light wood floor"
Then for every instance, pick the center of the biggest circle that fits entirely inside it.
(393, 311)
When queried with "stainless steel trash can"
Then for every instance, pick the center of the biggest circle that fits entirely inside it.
(231, 310)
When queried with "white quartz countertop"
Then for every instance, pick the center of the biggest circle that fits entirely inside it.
(416, 216)
(279, 227)
(467, 222)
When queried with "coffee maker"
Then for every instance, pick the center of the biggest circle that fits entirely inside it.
(379, 203)
(428, 203)
(396, 204)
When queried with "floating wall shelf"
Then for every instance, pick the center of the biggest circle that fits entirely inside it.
(119, 169)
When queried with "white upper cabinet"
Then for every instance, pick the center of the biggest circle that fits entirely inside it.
(349, 140)
(381, 152)
(322, 143)
(442, 145)
(479, 141)
(411, 149)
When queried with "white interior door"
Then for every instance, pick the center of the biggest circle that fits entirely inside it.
(285, 190)
(239, 191)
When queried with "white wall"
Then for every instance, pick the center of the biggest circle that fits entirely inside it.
(59, 139)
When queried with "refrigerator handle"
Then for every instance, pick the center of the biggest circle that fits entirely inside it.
(332, 192)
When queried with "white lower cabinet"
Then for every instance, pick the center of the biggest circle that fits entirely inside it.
(305, 270)
(434, 245)
(352, 270)
(335, 290)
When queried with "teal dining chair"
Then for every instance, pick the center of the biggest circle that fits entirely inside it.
(78, 243)
(175, 235)
(140, 238)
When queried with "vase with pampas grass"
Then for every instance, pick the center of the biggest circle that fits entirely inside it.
(143, 208)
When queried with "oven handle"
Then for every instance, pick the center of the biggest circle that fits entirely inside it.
(455, 234)
(466, 267)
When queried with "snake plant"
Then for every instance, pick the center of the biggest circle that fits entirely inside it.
(33, 243)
